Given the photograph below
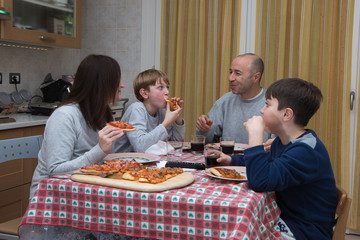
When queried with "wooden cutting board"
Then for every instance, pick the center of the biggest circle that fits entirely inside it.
(179, 181)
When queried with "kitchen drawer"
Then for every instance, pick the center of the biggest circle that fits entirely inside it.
(22, 132)
(16, 172)
(13, 202)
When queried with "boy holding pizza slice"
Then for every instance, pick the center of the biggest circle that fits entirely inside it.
(297, 167)
(152, 115)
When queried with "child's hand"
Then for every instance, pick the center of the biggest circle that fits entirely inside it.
(267, 144)
(172, 116)
(224, 159)
(204, 123)
(180, 102)
(255, 128)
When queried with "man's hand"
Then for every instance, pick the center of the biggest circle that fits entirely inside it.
(204, 123)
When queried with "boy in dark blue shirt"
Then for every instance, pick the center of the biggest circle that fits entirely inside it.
(297, 167)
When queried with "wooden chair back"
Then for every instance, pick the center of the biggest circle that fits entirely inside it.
(18, 148)
(12, 149)
(341, 214)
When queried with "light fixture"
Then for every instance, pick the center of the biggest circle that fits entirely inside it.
(4, 43)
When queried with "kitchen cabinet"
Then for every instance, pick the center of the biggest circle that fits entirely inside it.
(15, 177)
(43, 22)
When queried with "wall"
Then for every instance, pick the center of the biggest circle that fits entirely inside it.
(112, 28)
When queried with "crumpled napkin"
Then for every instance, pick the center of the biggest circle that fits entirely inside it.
(161, 164)
(160, 148)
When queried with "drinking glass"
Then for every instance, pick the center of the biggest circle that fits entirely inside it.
(174, 153)
(210, 157)
(197, 143)
(227, 145)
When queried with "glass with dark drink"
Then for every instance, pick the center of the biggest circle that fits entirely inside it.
(197, 147)
(197, 143)
(210, 157)
(227, 145)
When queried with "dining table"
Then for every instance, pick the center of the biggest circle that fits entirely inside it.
(208, 208)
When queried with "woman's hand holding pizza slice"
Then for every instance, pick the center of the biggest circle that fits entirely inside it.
(107, 136)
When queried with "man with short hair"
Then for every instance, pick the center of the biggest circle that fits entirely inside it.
(245, 100)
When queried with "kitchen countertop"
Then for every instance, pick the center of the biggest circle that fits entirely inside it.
(24, 120)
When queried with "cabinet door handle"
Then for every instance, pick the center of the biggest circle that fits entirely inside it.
(352, 99)
(47, 39)
(4, 15)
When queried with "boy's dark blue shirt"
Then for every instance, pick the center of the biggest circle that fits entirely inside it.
(301, 175)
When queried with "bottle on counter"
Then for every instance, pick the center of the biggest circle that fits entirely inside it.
(69, 25)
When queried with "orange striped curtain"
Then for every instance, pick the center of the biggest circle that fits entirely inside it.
(355, 212)
(199, 38)
(312, 39)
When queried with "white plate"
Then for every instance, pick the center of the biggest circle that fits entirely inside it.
(139, 157)
(242, 170)
(186, 146)
(239, 148)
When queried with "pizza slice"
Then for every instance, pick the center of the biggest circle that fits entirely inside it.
(124, 166)
(125, 126)
(172, 102)
(152, 175)
(172, 172)
(102, 170)
(138, 175)
(226, 173)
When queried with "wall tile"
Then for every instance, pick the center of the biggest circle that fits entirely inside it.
(107, 16)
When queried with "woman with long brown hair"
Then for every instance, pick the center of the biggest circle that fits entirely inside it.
(76, 134)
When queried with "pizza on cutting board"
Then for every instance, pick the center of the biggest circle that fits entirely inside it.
(133, 171)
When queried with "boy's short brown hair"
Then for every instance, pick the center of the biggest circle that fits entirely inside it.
(146, 79)
(301, 96)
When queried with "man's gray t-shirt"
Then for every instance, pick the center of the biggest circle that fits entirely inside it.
(229, 113)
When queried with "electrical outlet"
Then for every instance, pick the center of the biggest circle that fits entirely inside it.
(0, 78)
(14, 78)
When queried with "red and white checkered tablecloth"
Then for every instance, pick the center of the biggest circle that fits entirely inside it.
(209, 208)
